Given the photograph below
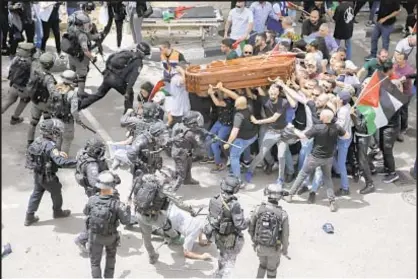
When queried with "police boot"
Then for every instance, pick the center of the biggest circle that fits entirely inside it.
(191, 181)
(154, 258)
(15, 120)
(369, 188)
(30, 219)
(61, 213)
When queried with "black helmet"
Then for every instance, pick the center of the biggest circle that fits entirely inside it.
(158, 129)
(144, 48)
(47, 60)
(95, 148)
(275, 192)
(88, 6)
(80, 18)
(193, 119)
(150, 110)
(230, 184)
(51, 128)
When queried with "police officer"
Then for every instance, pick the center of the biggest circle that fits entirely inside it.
(44, 159)
(19, 74)
(78, 47)
(65, 108)
(151, 202)
(149, 117)
(186, 138)
(225, 223)
(104, 213)
(269, 231)
(122, 71)
(41, 87)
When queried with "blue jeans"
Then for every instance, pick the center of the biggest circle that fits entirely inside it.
(290, 168)
(305, 150)
(316, 180)
(383, 31)
(214, 148)
(373, 10)
(235, 154)
(38, 33)
(70, 11)
(339, 163)
(347, 46)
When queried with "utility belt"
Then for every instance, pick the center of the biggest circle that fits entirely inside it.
(18, 87)
(39, 98)
(66, 118)
(226, 241)
(150, 213)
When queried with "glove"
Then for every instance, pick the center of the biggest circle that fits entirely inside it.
(193, 213)
(94, 59)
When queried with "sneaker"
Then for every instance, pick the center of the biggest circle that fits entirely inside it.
(343, 192)
(81, 246)
(302, 190)
(369, 188)
(249, 176)
(61, 214)
(30, 219)
(368, 58)
(288, 198)
(154, 258)
(311, 197)
(332, 206)
(207, 160)
(370, 23)
(390, 178)
(400, 137)
(378, 156)
(268, 169)
(228, 163)
(218, 167)
(16, 120)
(246, 164)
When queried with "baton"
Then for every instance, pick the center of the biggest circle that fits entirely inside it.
(95, 66)
(221, 140)
(79, 122)
(287, 257)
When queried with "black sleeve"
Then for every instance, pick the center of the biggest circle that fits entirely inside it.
(181, 58)
(238, 118)
(311, 132)
(305, 30)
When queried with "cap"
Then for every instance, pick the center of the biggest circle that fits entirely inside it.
(344, 95)
(159, 97)
(328, 228)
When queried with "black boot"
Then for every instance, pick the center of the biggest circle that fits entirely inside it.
(16, 120)
(61, 213)
(30, 219)
(369, 188)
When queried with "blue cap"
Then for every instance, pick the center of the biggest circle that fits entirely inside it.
(328, 228)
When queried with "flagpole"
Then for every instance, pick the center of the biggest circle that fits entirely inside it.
(364, 92)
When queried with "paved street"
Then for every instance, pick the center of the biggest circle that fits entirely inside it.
(375, 235)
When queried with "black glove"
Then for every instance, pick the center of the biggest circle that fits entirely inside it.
(117, 179)
(94, 59)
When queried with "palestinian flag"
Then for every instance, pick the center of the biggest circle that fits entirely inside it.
(159, 86)
(239, 44)
(379, 101)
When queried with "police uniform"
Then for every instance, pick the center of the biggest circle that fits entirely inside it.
(44, 159)
(65, 108)
(41, 86)
(186, 138)
(104, 214)
(155, 215)
(269, 231)
(120, 77)
(19, 74)
(225, 223)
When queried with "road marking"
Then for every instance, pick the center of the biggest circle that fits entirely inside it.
(9, 206)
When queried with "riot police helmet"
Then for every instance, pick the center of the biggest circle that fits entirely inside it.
(25, 50)
(193, 119)
(143, 48)
(274, 192)
(88, 6)
(51, 128)
(106, 180)
(47, 60)
(158, 129)
(230, 184)
(68, 77)
(95, 148)
(149, 110)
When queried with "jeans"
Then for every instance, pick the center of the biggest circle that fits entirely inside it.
(305, 150)
(383, 31)
(364, 161)
(340, 163)
(388, 135)
(310, 165)
(261, 133)
(347, 46)
(214, 148)
(235, 154)
(373, 9)
(136, 28)
(38, 33)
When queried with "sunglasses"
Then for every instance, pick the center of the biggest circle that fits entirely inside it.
(248, 52)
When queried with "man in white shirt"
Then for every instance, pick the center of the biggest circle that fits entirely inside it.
(406, 45)
(241, 21)
(179, 103)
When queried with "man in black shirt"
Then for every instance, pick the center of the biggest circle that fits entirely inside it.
(275, 107)
(386, 19)
(325, 140)
(243, 134)
(261, 46)
(344, 25)
(311, 25)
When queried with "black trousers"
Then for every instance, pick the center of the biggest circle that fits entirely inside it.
(102, 91)
(364, 161)
(16, 36)
(46, 27)
(4, 23)
(359, 4)
(52, 185)
(388, 135)
(119, 27)
(404, 117)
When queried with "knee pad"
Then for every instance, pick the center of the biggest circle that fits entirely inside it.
(167, 226)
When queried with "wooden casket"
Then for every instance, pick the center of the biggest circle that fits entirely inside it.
(240, 73)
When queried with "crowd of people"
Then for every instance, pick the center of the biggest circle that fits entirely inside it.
(322, 114)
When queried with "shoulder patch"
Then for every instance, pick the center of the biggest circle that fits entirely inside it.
(56, 152)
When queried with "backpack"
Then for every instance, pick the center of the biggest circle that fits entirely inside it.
(70, 44)
(36, 88)
(119, 61)
(100, 217)
(61, 108)
(35, 156)
(268, 228)
(146, 198)
(19, 72)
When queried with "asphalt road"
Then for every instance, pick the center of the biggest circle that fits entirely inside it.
(375, 235)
